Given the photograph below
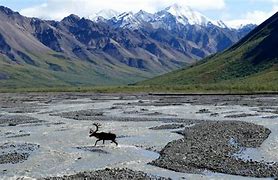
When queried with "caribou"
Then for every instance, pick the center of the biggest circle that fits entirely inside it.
(102, 135)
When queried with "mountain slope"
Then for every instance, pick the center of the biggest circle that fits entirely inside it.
(34, 53)
(253, 60)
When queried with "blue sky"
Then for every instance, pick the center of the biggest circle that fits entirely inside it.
(234, 12)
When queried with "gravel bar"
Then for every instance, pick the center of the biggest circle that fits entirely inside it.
(211, 145)
(109, 174)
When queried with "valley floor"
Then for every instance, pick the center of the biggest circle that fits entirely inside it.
(46, 135)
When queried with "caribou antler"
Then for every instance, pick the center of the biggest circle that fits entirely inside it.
(97, 126)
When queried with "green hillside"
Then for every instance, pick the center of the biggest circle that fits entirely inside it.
(253, 61)
(52, 70)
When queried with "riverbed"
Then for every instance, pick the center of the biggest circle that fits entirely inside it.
(50, 132)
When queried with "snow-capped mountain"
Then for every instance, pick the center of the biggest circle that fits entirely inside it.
(144, 16)
(185, 15)
(126, 20)
(104, 15)
(175, 14)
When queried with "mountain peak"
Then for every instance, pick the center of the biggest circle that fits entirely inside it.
(144, 16)
(180, 8)
(128, 20)
(71, 18)
(104, 14)
(7, 11)
(186, 15)
(176, 6)
(142, 12)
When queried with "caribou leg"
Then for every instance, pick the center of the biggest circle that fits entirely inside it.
(97, 141)
(114, 141)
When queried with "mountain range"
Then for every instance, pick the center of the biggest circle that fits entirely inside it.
(109, 48)
(167, 18)
(252, 62)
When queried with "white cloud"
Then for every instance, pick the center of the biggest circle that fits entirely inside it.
(256, 16)
(57, 9)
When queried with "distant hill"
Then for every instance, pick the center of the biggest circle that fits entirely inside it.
(251, 61)
(77, 51)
